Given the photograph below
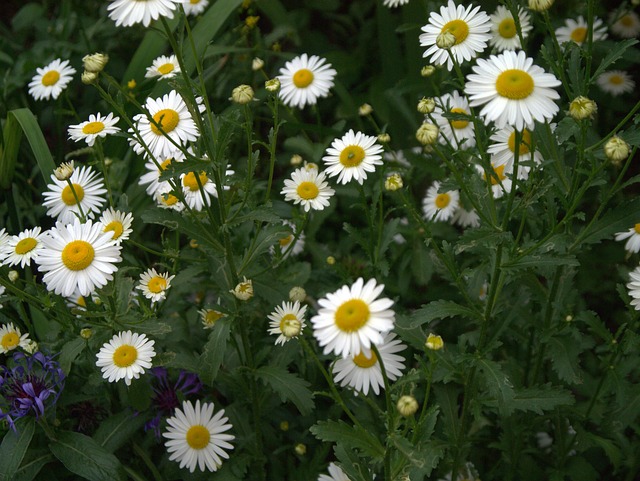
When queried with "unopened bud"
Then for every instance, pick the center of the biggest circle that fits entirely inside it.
(13, 276)
(384, 138)
(616, 149)
(427, 70)
(297, 294)
(272, 85)
(301, 449)
(435, 343)
(88, 77)
(242, 94)
(331, 260)
(95, 62)
(296, 159)
(540, 5)
(86, 333)
(427, 133)
(364, 110)
(284, 425)
(426, 105)
(257, 64)
(407, 406)
(393, 182)
(582, 108)
(64, 170)
(244, 290)
(445, 40)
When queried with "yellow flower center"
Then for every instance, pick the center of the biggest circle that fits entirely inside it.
(167, 119)
(166, 68)
(303, 78)
(499, 171)
(579, 34)
(125, 355)
(459, 124)
(507, 28)
(352, 155)
(514, 84)
(81, 302)
(164, 165)
(198, 437)
(442, 200)
(194, 2)
(26, 245)
(616, 79)
(50, 78)
(93, 128)
(212, 316)
(352, 315)
(285, 319)
(637, 228)
(191, 182)
(68, 197)
(627, 21)
(10, 340)
(169, 199)
(525, 142)
(361, 360)
(458, 28)
(307, 190)
(157, 284)
(285, 241)
(77, 255)
(116, 227)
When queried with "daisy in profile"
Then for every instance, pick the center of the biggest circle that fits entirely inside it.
(440, 206)
(118, 223)
(465, 218)
(22, 248)
(576, 30)
(459, 133)
(304, 80)
(209, 317)
(153, 285)
(130, 12)
(96, 126)
(198, 191)
(352, 156)
(469, 26)
(634, 288)
(286, 249)
(166, 199)
(125, 356)
(196, 438)
(633, 239)
(504, 34)
(394, 3)
(335, 474)
(500, 177)
(77, 256)
(165, 66)
(362, 372)
(171, 120)
(51, 80)
(616, 82)
(626, 25)
(195, 7)
(155, 167)
(352, 318)
(503, 148)
(81, 194)
(515, 91)
(308, 188)
(11, 338)
(287, 321)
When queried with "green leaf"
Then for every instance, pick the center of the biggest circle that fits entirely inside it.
(213, 353)
(566, 129)
(14, 446)
(619, 219)
(614, 54)
(70, 352)
(263, 213)
(422, 458)
(289, 386)
(563, 353)
(540, 399)
(356, 468)
(482, 237)
(266, 237)
(177, 221)
(81, 455)
(116, 430)
(498, 385)
(441, 310)
(34, 461)
(535, 261)
(352, 436)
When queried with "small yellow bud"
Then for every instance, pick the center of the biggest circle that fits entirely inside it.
(393, 182)
(331, 260)
(427, 133)
(427, 70)
(251, 21)
(86, 333)
(569, 318)
(616, 149)
(242, 94)
(364, 110)
(13, 276)
(540, 5)
(131, 84)
(244, 290)
(95, 62)
(582, 108)
(296, 159)
(88, 77)
(426, 105)
(272, 85)
(435, 343)
(445, 40)
(193, 244)
(276, 47)
(384, 138)
(257, 64)
(407, 406)
(301, 449)
(297, 294)
(284, 425)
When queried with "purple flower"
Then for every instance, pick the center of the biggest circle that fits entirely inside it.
(31, 384)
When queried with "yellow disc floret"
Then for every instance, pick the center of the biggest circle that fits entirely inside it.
(166, 68)
(116, 227)
(125, 355)
(167, 119)
(361, 360)
(198, 437)
(307, 190)
(92, 128)
(459, 124)
(303, 78)
(50, 78)
(442, 200)
(514, 84)
(352, 155)
(77, 255)
(458, 28)
(157, 284)
(352, 315)
(190, 181)
(10, 340)
(26, 245)
(68, 197)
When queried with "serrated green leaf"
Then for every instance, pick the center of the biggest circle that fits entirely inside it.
(14, 446)
(81, 455)
(608, 446)
(263, 213)
(498, 384)
(563, 353)
(69, 352)
(265, 238)
(614, 54)
(356, 468)
(618, 219)
(288, 386)
(536, 261)
(116, 430)
(540, 399)
(441, 310)
(213, 352)
(566, 129)
(353, 436)
(422, 459)
(481, 237)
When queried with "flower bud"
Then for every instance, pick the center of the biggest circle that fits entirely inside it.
(88, 77)
(393, 182)
(364, 110)
(193, 244)
(407, 406)
(445, 40)
(244, 290)
(257, 64)
(31, 346)
(95, 62)
(540, 5)
(297, 293)
(427, 70)
(582, 108)
(616, 149)
(301, 449)
(131, 84)
(427, 133)
(86, 333)
(311, 166)
(284, 425)
(435, 343)
(64, 170)
(13, 276)
(296, 159)
(290, 328)
(331, 260)
(272, 85)
(426, 105)
(242, 94)
(384, 138)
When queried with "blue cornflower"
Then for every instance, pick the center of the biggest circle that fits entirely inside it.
(31, 384)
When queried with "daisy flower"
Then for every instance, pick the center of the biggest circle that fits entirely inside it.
(634, 288)
(152, 177)
(193, 196)
(515, 91)
(285, 243)
(394, 3)
(165, 199)
(335, 474)
(22, 248)
(165, 66)
(51, 80)
(469, 26)
(352, 318)
(96, 126)
(503, 28)
(171, 114)
(11, 338)
(195, 7)
(308, 188)
(440, 206)
(118, 223)
(460, 133)
(465, 218)
(195, 437)
(504, 173)
(616, 82)
(633, 239)
(304, 80)
(61, 200)
(77, 256)
(130, 12)
(576, 30)
(209, 317)
(153, 285)
(626, 25)
(125, 356)
(363, 372)
(287, 321)
(503, 148)
(353, 156)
